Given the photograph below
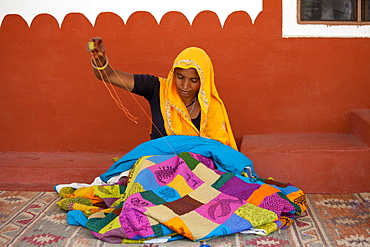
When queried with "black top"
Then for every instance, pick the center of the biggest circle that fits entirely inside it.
(148, 87)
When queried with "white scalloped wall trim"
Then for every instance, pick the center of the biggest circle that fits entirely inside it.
(291, 28)
(29, 9)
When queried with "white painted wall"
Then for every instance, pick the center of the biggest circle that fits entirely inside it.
(28, 9)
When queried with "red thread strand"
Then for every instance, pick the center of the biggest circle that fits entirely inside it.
(119, 103)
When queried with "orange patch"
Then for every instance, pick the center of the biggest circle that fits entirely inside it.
(258, 195)
(299, 198)
(178, 225)
(94, 199)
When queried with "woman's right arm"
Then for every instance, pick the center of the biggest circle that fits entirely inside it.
(108, 74)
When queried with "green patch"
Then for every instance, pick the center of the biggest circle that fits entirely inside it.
(189, 160)
(222, 180)
(96, 224)
(152, 197)
(158, 230)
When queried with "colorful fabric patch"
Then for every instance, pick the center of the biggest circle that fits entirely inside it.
(184, 195)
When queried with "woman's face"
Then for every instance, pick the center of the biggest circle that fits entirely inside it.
(187, 82)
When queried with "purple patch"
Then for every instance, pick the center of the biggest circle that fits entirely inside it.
(238, 188)
(109, 201)
(113, 236)
(276, 204)
(206, 161)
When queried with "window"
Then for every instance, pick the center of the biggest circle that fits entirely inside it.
(332, 12)
(293, 27)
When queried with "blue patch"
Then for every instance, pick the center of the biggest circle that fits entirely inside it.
(160, 158)
(147, 179)
(233, 225)
(288, 190)
(167, 193)
(237, 224)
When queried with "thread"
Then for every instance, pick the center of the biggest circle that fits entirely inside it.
(118, 101)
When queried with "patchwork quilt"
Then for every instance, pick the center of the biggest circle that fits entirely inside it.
(182, 196)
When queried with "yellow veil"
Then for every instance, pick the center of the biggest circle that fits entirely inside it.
(214, 123)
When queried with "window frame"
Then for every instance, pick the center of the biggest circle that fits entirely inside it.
(291, 28)
(358, 22)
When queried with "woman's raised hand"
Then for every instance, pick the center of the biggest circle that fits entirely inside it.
(96, 46)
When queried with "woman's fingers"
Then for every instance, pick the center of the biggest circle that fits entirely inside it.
(95, 46)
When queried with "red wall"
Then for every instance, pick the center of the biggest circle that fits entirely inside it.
(51, 101)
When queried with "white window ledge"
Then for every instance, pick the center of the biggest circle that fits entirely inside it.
(292, 29)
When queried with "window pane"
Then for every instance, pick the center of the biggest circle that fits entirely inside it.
(365, 10)
(329, 10)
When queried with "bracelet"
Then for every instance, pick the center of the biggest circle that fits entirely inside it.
(100, 68)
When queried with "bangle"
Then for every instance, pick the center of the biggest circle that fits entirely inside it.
(100, 68)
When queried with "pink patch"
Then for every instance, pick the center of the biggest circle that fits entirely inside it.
(137, 202)
(166, 171)
(220, 208)
(135, 223)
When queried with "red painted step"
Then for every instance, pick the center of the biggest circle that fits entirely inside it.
(41, 171)
(316, 163)
(360, 125)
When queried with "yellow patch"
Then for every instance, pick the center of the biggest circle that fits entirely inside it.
(160, 213)
(204, 193)
(180, 185)
(206, 174)
(114, 224)
(198, 225)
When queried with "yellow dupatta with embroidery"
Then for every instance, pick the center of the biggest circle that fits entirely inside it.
(214, 123)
